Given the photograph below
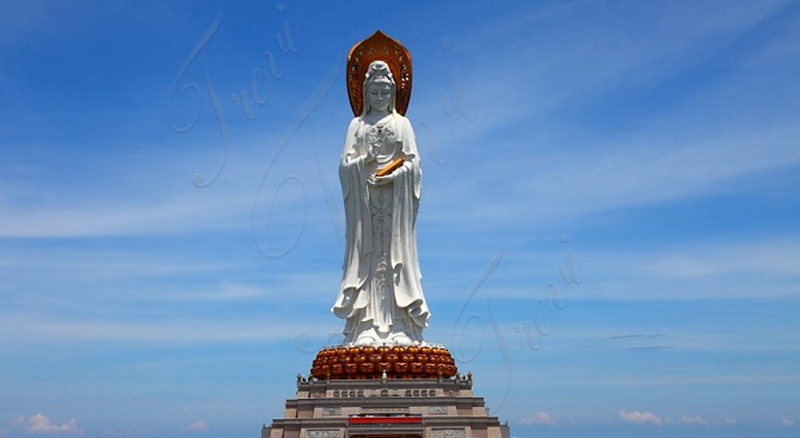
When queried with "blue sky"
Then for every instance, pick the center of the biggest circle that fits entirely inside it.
(608, 235)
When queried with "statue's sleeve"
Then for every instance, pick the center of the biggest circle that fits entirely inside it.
(349, 155)
(405, 261)
(353, 177)
(411, 154)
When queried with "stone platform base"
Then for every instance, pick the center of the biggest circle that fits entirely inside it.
(386, 408)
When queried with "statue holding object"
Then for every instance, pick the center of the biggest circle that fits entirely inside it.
(381, 295)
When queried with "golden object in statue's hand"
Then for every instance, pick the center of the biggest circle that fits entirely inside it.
(391, 167)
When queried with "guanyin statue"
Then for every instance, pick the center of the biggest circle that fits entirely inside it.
(381, 295)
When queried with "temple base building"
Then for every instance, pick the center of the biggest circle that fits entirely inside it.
(386, 408)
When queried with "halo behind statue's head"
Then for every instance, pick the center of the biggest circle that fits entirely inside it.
(378, 47)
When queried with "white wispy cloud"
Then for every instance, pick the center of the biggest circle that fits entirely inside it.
(644, 417)
(787, 422)
(539, 418)
(709, 267)
(637, 417)
(287, 288)
(223, 292)
(636, 173)
(103, 217)
(107, 263)
(771, 259)
(197, 426)
(44, 199)
(694, 420)
(127, 433)
(40, 424)
(26, 329)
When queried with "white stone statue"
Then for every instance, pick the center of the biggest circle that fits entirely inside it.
(381, 295)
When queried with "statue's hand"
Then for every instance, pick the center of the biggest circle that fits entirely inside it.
(378, 181)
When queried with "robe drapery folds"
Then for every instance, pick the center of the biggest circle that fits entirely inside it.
(357, 296)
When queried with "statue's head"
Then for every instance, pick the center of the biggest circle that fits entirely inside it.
(379, 88)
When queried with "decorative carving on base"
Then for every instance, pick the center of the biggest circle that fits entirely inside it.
(448, 433)
(332, 410)
(322, 433)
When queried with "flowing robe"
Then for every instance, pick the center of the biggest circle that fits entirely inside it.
(381, 292)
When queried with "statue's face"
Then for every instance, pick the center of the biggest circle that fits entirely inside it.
(379, 95)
